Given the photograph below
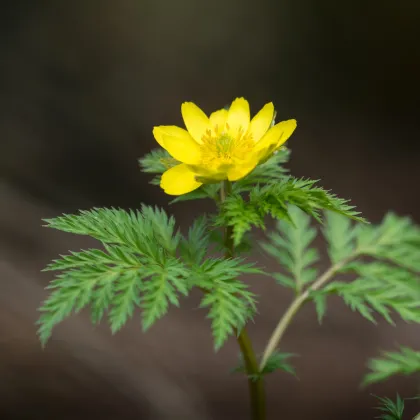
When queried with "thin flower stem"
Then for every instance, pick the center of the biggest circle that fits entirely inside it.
(296, 304)
(255, 381)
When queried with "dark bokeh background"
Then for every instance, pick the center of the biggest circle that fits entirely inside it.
(81, 85)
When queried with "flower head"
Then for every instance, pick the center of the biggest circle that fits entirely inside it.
(226, 145)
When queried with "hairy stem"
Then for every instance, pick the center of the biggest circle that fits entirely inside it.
(294, 307)
(255, 382)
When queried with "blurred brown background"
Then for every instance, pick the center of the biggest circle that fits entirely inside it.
(81, 85)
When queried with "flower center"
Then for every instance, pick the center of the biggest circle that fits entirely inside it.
(220, 148)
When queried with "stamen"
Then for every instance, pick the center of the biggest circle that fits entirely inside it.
(218, 148)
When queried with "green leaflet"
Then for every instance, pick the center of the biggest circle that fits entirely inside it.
(279, 361)
(290, 244)
(396, 239)
(406, 361)
(194, 247)
(137, 268)
(146, 232)
(391, 410)
(340, 235)
(390, 283)
(230, 302)
(274, 200)
(157, 161)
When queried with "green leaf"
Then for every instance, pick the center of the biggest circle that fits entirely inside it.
(231, 305)
(164, 285)
(320, 301)
(382, 294)
(391, 283)
(274, 199)
(391, 410)
(146, 232)
(290, 246)
(396, 239)
(340, 236)
(67, 297)
(304, 194)
(240, 215)
(157, 161)
(279, 361)
(194, 247)
(137, 268)
(284, 280)
(102, 294)
(404, 362)
(126, 298)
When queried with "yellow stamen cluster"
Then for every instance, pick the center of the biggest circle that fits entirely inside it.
(220, 148)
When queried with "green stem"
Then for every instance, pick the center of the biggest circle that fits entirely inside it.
(296, 304)
(255, 381)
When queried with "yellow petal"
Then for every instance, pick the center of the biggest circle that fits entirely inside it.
(240, 171)
(195, 120)
(157, 133)
(218, 120)
(275, 137)
(179, 180)
(289, 127)
(238, 116)
(261, 122)
(179, 143)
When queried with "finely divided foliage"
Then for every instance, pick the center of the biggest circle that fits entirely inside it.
(389, 409)
(390, 280)
(384, 264)
(231, 305)
(274, 199)
(290, 246)
(139, 267)
(403, 362)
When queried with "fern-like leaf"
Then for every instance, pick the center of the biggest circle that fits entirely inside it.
(194, 247)
(390, 283)
(274, 200)
(304, 194)
(230, 302)
(290, 246)
(163, 287)
(391, 410)
(340, 236)
(137, 268)
(382, 295)
(396, 239)
(404, 362)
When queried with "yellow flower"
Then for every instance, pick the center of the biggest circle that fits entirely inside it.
(226, 145)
